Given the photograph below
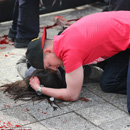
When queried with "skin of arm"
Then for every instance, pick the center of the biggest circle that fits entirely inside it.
(74, 82)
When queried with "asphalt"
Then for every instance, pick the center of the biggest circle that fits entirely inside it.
(102, 111)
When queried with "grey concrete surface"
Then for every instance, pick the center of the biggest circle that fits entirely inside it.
(103, 111)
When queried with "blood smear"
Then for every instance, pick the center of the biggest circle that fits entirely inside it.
(4, 39)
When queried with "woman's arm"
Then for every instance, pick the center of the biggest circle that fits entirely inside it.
(74, 82)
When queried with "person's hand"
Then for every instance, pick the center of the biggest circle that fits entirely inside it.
(35, 83)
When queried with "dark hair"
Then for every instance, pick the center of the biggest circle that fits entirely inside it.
(21, 90)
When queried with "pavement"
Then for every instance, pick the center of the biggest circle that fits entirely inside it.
(103, 111)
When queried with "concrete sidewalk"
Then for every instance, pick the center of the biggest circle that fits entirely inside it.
(103, 111)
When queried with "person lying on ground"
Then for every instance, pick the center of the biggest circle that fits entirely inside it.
(21, 90)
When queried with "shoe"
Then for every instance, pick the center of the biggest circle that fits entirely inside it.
(96, 73)
(21, 43)
(61, 21)
(12, 35)
(92, 74)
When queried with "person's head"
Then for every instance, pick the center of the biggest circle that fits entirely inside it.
(21, 90)
(51, 61)
(41, 55)
(50, 78)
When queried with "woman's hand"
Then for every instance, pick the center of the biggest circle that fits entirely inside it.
(35, 83)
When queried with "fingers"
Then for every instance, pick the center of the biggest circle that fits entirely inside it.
(34, 79)
(31, 80)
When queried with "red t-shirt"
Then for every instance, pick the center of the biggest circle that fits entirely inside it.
(93, 38)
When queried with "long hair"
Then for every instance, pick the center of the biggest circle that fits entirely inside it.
(21, 90)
